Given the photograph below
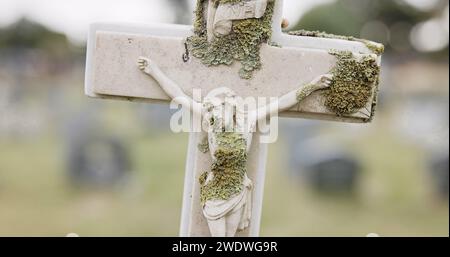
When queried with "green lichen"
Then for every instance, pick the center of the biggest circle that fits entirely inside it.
(242, 44)
(353, 82)
(308, 33)
(376, 48)
(203, 146)
(375, 101)
(305, 92)
(275, 44)
(199, 22)
(228, 1)
(228, 169)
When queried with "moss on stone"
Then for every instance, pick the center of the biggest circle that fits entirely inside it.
(353, 79)
(199, 22)
(274, 44)
(320, 34)
(353, 82)
(242, 44)
(305, 92)
(376, 48)
(228, 1)
(228, 169)
(374, 107)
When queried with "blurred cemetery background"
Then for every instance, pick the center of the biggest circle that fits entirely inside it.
(73, 164)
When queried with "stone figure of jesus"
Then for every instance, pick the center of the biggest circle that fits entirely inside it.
(221, 15)
(226, 190)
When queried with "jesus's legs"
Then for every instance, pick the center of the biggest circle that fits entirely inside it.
(233, 221)
(218, 227)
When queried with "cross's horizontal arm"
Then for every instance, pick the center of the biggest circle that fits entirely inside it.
(111, 70)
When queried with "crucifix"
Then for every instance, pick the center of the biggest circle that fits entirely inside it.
(236, 49)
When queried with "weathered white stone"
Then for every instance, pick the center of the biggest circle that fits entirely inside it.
(111, 72)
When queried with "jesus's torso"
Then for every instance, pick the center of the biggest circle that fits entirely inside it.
(229, 151)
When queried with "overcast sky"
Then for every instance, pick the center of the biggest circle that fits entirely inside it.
(74, 16)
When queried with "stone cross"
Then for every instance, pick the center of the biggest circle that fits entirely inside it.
(182, 58)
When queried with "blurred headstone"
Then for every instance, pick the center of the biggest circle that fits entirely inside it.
(99, 162)
(439, 174)
(326, 166)
(290, 130)
(94, 158)
(334, 174)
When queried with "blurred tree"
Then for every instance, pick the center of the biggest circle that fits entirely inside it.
(31, 50)
(387, 21)
(25, 34)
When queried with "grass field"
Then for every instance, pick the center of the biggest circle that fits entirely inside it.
(394, 197)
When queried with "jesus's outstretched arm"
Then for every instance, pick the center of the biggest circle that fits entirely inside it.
(292, 98)
(170, 87)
